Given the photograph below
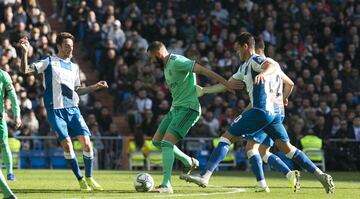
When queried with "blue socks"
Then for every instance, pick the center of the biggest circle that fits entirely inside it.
(276, 163)
(301, 159)
(256, 164)
(71, 158)
(217, 155)
(88, 162)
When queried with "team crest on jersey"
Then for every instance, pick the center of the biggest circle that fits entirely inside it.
(172, 57)
(9, 87)
(259, 59)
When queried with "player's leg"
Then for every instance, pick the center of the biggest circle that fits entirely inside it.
(189, 162)
(5, 150)
(275, 162)
(88, 156)
(79, 129)
(250, 121)
(279, 134)
(217, 155)
(5, 189)
(303, 161)
(179, 126)
(57, 122)
(252, 152)
(168, 156)
(70, 156)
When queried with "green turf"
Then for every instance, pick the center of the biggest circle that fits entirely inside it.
(53, 184)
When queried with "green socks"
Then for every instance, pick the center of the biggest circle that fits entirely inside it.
(4, 187)
(185, 159)
(7, 157)
(167, 149)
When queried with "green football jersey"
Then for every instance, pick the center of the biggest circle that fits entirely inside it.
(6, 86)
(181, 81)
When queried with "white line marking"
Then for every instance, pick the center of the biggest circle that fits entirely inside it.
(238, 190)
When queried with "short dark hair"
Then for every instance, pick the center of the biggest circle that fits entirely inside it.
(154, 46)
(62, 36)
(259, 43)
(246, 38)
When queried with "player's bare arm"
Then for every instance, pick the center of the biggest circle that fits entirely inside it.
(268, 68)
(85, 90)
(25, 67)
(288, 88)
(218, 88)
(206, 72)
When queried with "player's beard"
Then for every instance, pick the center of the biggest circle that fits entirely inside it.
(160, 62)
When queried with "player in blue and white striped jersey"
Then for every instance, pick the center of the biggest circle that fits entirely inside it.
(259, 75)
(61, 96)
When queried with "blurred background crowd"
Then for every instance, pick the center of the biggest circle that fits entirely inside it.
(317, 44)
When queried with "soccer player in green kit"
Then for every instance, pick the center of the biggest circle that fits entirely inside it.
(185, 110)
(6, 88)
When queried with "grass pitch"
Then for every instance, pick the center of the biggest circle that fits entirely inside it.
(54, 184)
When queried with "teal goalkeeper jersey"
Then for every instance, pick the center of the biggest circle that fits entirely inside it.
(7, 86)
(181, 81)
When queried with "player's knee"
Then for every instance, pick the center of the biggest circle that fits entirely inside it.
(89, 154)
(69, 154)
(291, 153)
(228, 136)
(156, 143)
(285, 147)
(265, 157)
(250, 145)
(263, 150)
(252, 152)
(67, 147)
(87, 147)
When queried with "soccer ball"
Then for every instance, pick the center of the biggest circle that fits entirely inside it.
(143, 182)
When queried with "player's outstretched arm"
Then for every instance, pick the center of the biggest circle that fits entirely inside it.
(198, 69)
(268, 68)
(85, 90)
(25, 67)
(206, 72)
(218, 88)
(9, 89)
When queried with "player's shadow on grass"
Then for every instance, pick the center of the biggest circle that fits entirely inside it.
(67, 191)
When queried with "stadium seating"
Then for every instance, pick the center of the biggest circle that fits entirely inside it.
(38, 159)
(15, 146)
(136, 156)
(312, 147)
(153, 155)
(57, 160)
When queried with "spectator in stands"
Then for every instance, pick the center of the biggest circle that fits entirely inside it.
(31, 122)
(200, 129)
(343, 131)
(105, 119)
(213, 123)
(117, 35)
(221, 14)
(355, 128)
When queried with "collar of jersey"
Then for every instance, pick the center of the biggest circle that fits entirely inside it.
(167, 61)
(67, 60)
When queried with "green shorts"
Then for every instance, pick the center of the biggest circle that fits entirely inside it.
(3, 130)
(178, 121)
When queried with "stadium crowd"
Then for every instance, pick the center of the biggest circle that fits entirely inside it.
(317, 43)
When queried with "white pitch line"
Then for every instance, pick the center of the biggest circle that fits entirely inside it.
(238, 190)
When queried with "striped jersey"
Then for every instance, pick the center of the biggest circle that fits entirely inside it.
(61, 77)
(266, 96)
